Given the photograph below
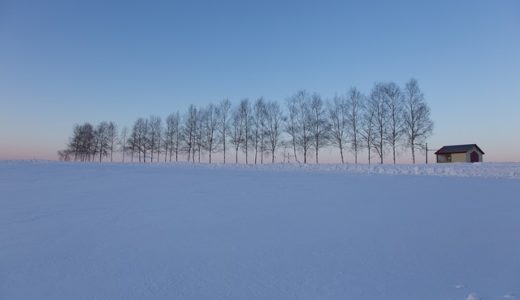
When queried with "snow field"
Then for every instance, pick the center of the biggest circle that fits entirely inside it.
(112, 231)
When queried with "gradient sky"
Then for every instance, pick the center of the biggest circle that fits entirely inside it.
(68, 62)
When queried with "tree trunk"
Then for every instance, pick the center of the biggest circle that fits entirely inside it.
(262, 151)
(381, 145)
(159, 150)
(294, 150)
(355, 151)
(369, 158)
(256, 150)
(393, 149)
(151, 151)
(224, 144)
(341, 153)
(413, 153)
(246, 151)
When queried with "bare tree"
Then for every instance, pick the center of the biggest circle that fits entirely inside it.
(259, 116)
(417, 122)
(139, 138)
(178, 137)
(237, 131)
(82, 146)
(291, 126)
(154, 138)
(131, 143)
(199, 132)
(172, 136)
(167, 138)
(394, 101)
(368, 132)
(112, 138)
(273, 122)
(102, 140)
(378, 106)
(319, 124)
(122, 141)
(300, 122)
(338, 113)
(245, 113)
(75, 143)
(355, 105)
(65, 155)
(190, 132)
(223, 117)
(305, 123)
(211, 123)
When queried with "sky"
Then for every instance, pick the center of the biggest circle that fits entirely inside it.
(68, 62)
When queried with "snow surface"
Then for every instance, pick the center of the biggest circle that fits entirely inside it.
(113, 231)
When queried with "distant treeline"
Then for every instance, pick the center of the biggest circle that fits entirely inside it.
(387, 119)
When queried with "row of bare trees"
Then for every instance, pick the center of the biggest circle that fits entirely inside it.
(386, 120)
(89, 143)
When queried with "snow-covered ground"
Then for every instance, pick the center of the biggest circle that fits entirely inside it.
(113, 231)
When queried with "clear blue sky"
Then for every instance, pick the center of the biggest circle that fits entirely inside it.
(67, 62)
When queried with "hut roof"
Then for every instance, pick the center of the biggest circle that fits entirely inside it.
(457, 149)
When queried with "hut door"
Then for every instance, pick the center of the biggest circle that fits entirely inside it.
(474, 156)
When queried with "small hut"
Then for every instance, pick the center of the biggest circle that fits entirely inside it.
(460, 153)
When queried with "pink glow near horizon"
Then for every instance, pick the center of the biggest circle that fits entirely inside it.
(494, 154)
